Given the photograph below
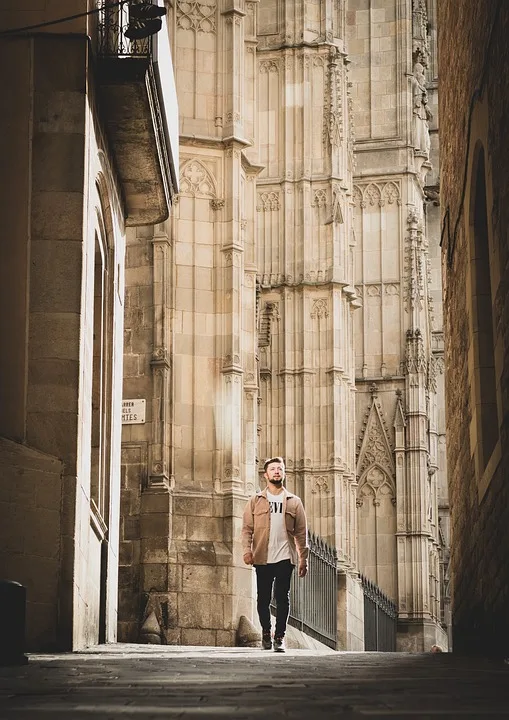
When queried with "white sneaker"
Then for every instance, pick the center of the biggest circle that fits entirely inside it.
(279, 645)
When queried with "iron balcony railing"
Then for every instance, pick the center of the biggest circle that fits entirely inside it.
(380, 619)
(112, 23)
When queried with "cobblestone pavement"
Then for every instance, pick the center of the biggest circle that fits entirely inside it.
(142, 682)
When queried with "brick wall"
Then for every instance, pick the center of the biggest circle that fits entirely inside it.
(469, 60)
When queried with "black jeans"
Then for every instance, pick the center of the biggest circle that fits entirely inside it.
(281, 573)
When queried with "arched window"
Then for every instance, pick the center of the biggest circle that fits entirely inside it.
(101, 381)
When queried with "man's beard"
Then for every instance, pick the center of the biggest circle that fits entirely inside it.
(277, 482)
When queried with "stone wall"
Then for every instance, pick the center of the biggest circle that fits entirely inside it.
(30, 495)
(182, 580)
(474, 111)
(56, 376)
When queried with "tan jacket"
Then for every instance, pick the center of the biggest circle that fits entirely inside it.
(256, 527)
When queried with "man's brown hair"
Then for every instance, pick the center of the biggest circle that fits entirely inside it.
(271, 460)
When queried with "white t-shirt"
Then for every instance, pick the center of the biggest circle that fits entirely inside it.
(279, 548)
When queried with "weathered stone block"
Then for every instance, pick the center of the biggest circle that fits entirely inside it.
(200, 610)
(205, 578)
(154, 550)
(205, 529)
(195, 553)
(193, 506)
(198, 637)
(155, 525)
(154, 576)
(225, 638)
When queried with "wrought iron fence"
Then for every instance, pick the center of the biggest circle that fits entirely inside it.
(380, 619)
(112, 22)
(313, 599)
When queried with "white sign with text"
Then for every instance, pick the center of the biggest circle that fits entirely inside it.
(133, 412)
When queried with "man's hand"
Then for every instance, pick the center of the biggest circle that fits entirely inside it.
(248, 558)
(303, 568)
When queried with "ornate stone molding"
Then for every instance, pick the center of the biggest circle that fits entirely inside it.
(352, 161)
(268, 66)
(337, 202)
(160, 358)
(373, 195)
(197, 15)
(319, 198)
(431, 383)
(333, 110)
(375, 484)
(391, 289)
(313, 277)
(420, 36)
(320, 309)
(414, 263)
(268, 201)
(373, 445)
(232, 117)
(415, 356)
(230, 360)
(269, 314)
(196, 180)
(320, 485)
(376, 194)
(374, 290)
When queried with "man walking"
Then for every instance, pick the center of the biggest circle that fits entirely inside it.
(274, 540)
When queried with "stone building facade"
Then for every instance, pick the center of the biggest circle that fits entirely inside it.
(398, 337)
(474, 110)
(292, 305)
(68, 194)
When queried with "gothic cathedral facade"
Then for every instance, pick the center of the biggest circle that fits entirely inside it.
(291, 306)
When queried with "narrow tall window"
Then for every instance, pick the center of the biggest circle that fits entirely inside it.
(97, 477)
(482, 308)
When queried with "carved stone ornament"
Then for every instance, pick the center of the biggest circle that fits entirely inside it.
(269, 66)
(376, 194)
(232, 472)
(421, 112)
(333, 112)
(319, 198)
(420, 34)
(195, 180)
(197, 15)
(416, 254)
(268, 201)
(373, 445)
(373, 195)
(267, 317)
(320, 484)
(415, 356)
(375, 485)
(337, 198)
(320, 309)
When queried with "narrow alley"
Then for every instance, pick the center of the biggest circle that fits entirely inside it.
(146, 682)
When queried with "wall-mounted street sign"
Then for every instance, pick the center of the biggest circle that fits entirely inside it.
(133, 412)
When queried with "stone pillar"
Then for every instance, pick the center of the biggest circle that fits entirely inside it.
(146, 579)
(214, 429)
(162, 405)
